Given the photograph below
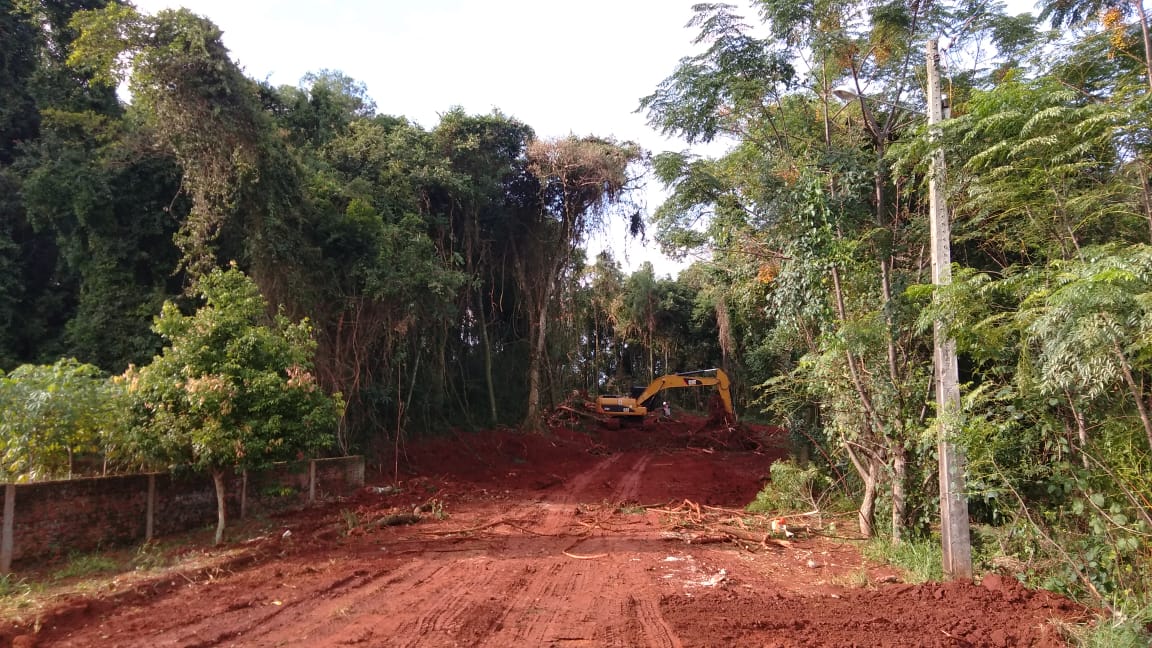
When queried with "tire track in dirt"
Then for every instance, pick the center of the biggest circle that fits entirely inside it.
(257, 623)
(576, 602)
(648, 626)
(516, 588)
(365, 611)
(379, 611)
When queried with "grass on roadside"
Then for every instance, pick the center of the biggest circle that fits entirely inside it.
(27, 593)
(12, 587)
(86, 565)
(1120, 631)
(920, 560)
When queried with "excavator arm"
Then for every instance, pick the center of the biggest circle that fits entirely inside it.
(638, 407)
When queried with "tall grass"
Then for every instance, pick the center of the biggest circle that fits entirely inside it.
(921, 560)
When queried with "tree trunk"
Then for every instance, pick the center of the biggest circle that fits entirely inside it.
(1137, 395)
(221, 505)
(869, 471)
(867, 511)
(534, 416)
(1139, 5)
(1081, 429)
(493, 419)
(899, 492)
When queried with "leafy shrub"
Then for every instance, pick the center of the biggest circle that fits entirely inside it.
(54, 413)
(791, 488)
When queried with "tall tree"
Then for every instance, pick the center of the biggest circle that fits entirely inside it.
(805, 211)
(580, 180)
(245, 190)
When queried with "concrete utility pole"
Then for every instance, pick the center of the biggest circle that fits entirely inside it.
(954, 532)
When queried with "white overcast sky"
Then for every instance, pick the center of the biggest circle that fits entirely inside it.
(561, 66)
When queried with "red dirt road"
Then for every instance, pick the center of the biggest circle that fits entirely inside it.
(544, 544)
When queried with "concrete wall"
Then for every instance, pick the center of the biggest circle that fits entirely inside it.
(59, 517)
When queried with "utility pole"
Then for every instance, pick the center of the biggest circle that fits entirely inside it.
(954, 533)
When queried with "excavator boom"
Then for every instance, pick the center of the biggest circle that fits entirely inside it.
(638, 406)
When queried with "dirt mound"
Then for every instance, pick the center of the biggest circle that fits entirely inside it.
(1000, 613)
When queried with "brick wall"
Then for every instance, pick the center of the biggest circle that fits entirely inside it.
(61, 517)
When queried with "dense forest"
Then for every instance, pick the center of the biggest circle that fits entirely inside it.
(437, 279)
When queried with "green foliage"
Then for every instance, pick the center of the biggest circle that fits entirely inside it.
(198, 104)
(85, 566)
(1120, 631)
(232, 389)
(1056, 445)
(54, 413)
(920, 559)
(708, 93)
(1041, 162)
(108, 206)
(792, 488)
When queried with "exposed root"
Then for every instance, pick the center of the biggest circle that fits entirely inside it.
(398, 519)
(479, 527)
(693, 523)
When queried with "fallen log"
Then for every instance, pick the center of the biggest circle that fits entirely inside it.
(398, 519)
(752, 536)
(696, 538)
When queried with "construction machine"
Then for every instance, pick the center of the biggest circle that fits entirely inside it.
(643, 399)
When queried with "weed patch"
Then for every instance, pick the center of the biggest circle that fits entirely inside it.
(921, 560)
(85, 565)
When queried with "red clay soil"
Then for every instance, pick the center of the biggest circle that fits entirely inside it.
(546, 541)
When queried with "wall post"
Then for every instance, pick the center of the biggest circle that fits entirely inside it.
(150, 516)
(7, 535)
(312, 481)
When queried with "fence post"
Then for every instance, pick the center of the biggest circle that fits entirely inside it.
(8, 534)
(149, 524)
(312, 481)
(244, 494)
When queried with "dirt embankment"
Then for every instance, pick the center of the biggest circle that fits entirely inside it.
(561, 540)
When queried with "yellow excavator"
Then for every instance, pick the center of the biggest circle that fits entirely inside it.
(643, 399)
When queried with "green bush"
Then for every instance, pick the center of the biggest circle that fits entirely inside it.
(55, 413)
(791, 488)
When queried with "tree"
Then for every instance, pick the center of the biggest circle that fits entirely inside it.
(806, 215)
(1076, 13)
(245, 188)
(485, 154)
(580, 180)
(53, 413)
(231, 391)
